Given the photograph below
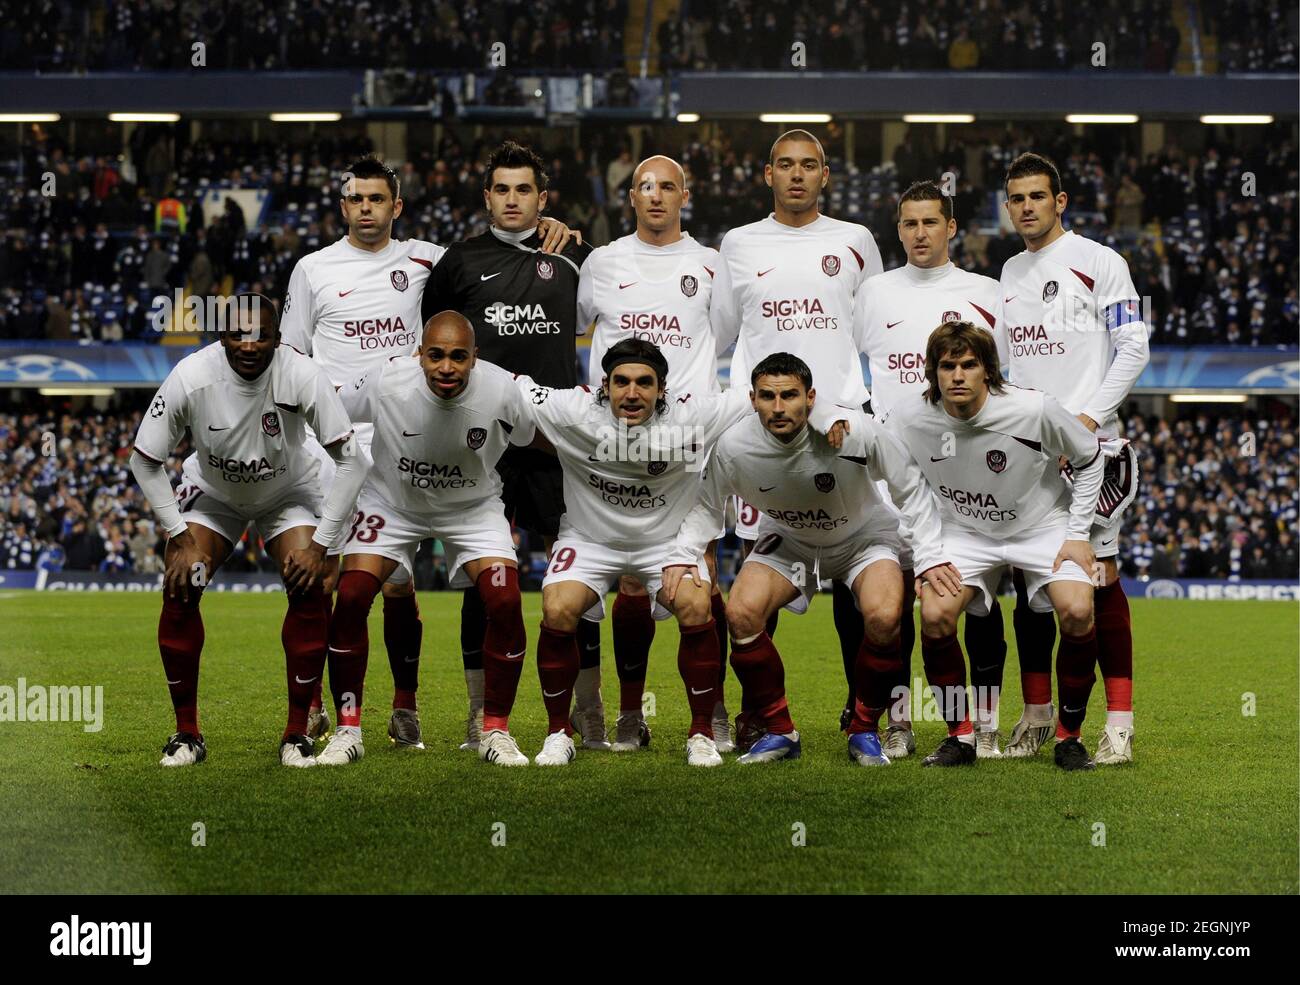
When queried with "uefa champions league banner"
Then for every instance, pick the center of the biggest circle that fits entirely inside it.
(126, 364)
(1216, 589)
(104, 581)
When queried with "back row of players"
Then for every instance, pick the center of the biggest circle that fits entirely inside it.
(956, 476)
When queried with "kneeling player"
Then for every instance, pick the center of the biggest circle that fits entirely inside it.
(991, 450)
(821, 516)
(246, 403)
(623, 508)
(441, 422)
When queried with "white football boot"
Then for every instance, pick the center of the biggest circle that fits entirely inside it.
(473, 723)
(557, 750)
(296, 750)
(500, 748)
(343, 747)
(987, 745)
(184, 749)
(630, 733)
(702, 751)
(899, 742)
(1114, 747)
(1029, 735)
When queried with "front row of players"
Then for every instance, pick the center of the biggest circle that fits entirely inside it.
(974, 468)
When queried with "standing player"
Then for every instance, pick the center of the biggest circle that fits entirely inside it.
(991, 451)
(822, 517)
(893, 318)
(440, 424)
(351, 306)
(654, 284)
(786, 284)
(523, 307)
(630, 476)
(1071, 325)
(246, 403)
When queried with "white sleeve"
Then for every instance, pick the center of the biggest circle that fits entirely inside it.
(715, 412)
(872, 263)
(515, 411)
(351, 465)
(724, 309)
(323, 409)
(861, 317)
(157, 488)
(587, 298)
(700, 525)
(298, 316)
(358, 397)
(1120, 314)
(1000, 338)
(546, 407)
(1061, 433)
(165, 421)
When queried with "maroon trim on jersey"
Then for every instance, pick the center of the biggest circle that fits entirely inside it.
(1087, 281)
(291, 346)
(422, 262)
(1036, 445)
(586, 388)
(1091, 460)
(707, 270)
(857, 256)
(987, 317)
(144, 454)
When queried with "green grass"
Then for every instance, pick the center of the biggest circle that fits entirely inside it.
(1210, 806)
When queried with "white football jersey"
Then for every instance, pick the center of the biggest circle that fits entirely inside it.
(432, 453)
(633, 290)
(629, 488)
(1071, 325)
(785, 289)
(351, 309)
(896, 313)
(247, 437)
(821, 495)
(996, 474)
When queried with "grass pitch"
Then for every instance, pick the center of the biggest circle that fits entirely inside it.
(1210, 806)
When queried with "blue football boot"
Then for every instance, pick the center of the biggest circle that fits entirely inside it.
(864, 749)
(772, 747)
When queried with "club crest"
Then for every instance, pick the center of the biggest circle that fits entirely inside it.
(271, 423)
(1049, 290)
(657, 468)
(830, 265)
(824, 481)
(400, 281)
(475, 437)
(997, 460)
(545, 269)
(951, 316)
(689, 285)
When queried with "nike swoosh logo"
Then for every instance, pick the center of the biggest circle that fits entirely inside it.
(767, 271)
(624, 287)
(594, 646)
(705, 691)
(548, 694)
(593, 458)
(634, 666)
(489, 276)
(944, 459)
(1105, 542)
(344, 294)
(514, 656)
(301, 681)
(989, 667)
(891, 324)
(173, 682)
(1071, 711)
(766, 489)
(411, 434)
(411, 660)
(1010, 299)
(226, 428)
(335, 649)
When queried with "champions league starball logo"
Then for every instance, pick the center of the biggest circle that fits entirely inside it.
(36, 367)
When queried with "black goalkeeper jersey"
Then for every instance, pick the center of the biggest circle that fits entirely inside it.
(522, 303)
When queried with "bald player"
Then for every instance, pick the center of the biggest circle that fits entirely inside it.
(441, 421)
(655, 284)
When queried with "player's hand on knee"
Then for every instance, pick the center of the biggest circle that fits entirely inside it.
(943, 578)
(1078, 551)
(187, 567)
(673, 575)
(305, 568)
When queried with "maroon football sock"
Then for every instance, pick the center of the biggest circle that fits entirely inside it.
(1075, 660)
(697, 662)
(945, 670)
(557, 667)
(874, 668)
(1035, 639)
(761, 674)
(504, 643)
(473, 624)
(180, 641)
(304, 635)
(403, 634)
(634, 630)
(349, 643)
(588, 644)
(1115, 645)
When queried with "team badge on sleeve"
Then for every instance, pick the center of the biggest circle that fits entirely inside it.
(400, 281)
(824, 481)
(475, 437)
(951, 316)
(1049, 290)
(689, 285)
(271, 423)
(545, 269)
(997, 460)
(830, 265)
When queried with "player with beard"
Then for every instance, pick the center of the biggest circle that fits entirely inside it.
(786, 284)
(822, 517)
(440, 423)
(894, 315)
(247, 403)
(654, 284)
(523, 307)
(631, 456)
(1070, 324)
(350, 306)
(991, 451)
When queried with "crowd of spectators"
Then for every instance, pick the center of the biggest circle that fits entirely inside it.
(1218, 499)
